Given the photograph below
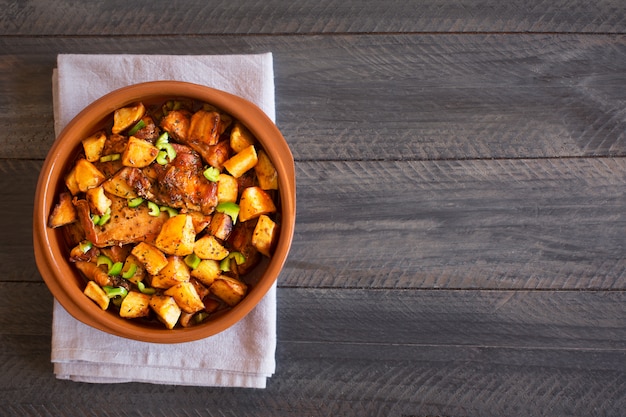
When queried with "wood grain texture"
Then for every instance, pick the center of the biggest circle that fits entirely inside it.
(396, 97)
(158, 17)
(531, 224)
(408, 353)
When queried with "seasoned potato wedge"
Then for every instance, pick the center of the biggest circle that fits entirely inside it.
(208, 247)
(205, 127)
(177, 236)
(93, 146)
(175, 272)
(84, 176)
(240, 138)
(264, 235)
(254, 202)
(127, 116)
(176, 123)
(98, 202)
(242, 161)
(229, 290)
(135, 305)
(139, 153)
(97, 294)
(152, 259)
(221, 225)
(119, 184)
(266, 172)
(166, 309)
(186, 297)
(207, 271)
(63, 213)
(227, 188)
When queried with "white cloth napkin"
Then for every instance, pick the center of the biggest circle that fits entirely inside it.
(241, 356)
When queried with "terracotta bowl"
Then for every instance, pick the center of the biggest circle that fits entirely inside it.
(51, 250)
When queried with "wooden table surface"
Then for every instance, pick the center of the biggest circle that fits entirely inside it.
(461, 233)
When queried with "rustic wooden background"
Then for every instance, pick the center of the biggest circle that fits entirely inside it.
(461, 169)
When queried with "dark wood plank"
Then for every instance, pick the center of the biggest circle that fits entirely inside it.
(396, 97)
(539, 223)
(157, 17)
(408, 353)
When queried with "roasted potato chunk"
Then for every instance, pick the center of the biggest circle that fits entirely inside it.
(94, 145)
(242, 161)
(84, 176)
(207, 271)
(240, 138)
(221, 225)
(175, 272)
(177, 236)
(135, 305)
(227, 188)
(127, 116)
(186, 297)
(98, 202)
(229, 290)
(166, 309)
(63, 213)
(208, 247)
(139, 153)
(264, 235)
(97, 294)
(266, 172)
(152, 259)
(254, 202)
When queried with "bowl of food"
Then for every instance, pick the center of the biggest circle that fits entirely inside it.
(164, 211)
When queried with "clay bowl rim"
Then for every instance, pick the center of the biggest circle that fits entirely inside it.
(49, 255)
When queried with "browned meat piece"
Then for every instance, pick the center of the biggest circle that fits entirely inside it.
(127, 225)
(178, 184)
(150, 131)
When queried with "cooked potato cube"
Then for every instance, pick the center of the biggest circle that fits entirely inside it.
(97, 294)
(254, 202)
(166, 309)
(207, 247)
(84, 176)
(139, 153)
(176, 123)
(186, 297)
(152, 259)
(242, 161)
(227, 189)
(264, 235)
(119, 184)
(127, 116)
(177, 236)
(135, 305)
(221, 225)
(229, 290)
(200, 221)
(98, 202)
(207, 271)
(217, 154)
(64, 212)
(266, 172)
(93, 146)
(240, 138)
(201, 289)
(205, 127)
(175, 272)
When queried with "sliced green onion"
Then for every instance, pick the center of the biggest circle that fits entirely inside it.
(162, 140)
(232, 209)
(192, 260)
(113, 292)
(95, 219)
(104, 260)
(140, 125)
(132, 269)
(145, 290)
(111, 157)
(200, 317)
(211, 174)
(116, 268)
(153, 208)
(237, 256)
(161, 158)
(135, 202)
(170, 211)
(104, 218)
(85, 246)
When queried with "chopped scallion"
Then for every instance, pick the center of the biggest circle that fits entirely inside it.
(153, 208)
(211, 174)
(138, 126)
(232, 209)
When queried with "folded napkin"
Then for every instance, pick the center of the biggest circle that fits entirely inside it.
(241, 356)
